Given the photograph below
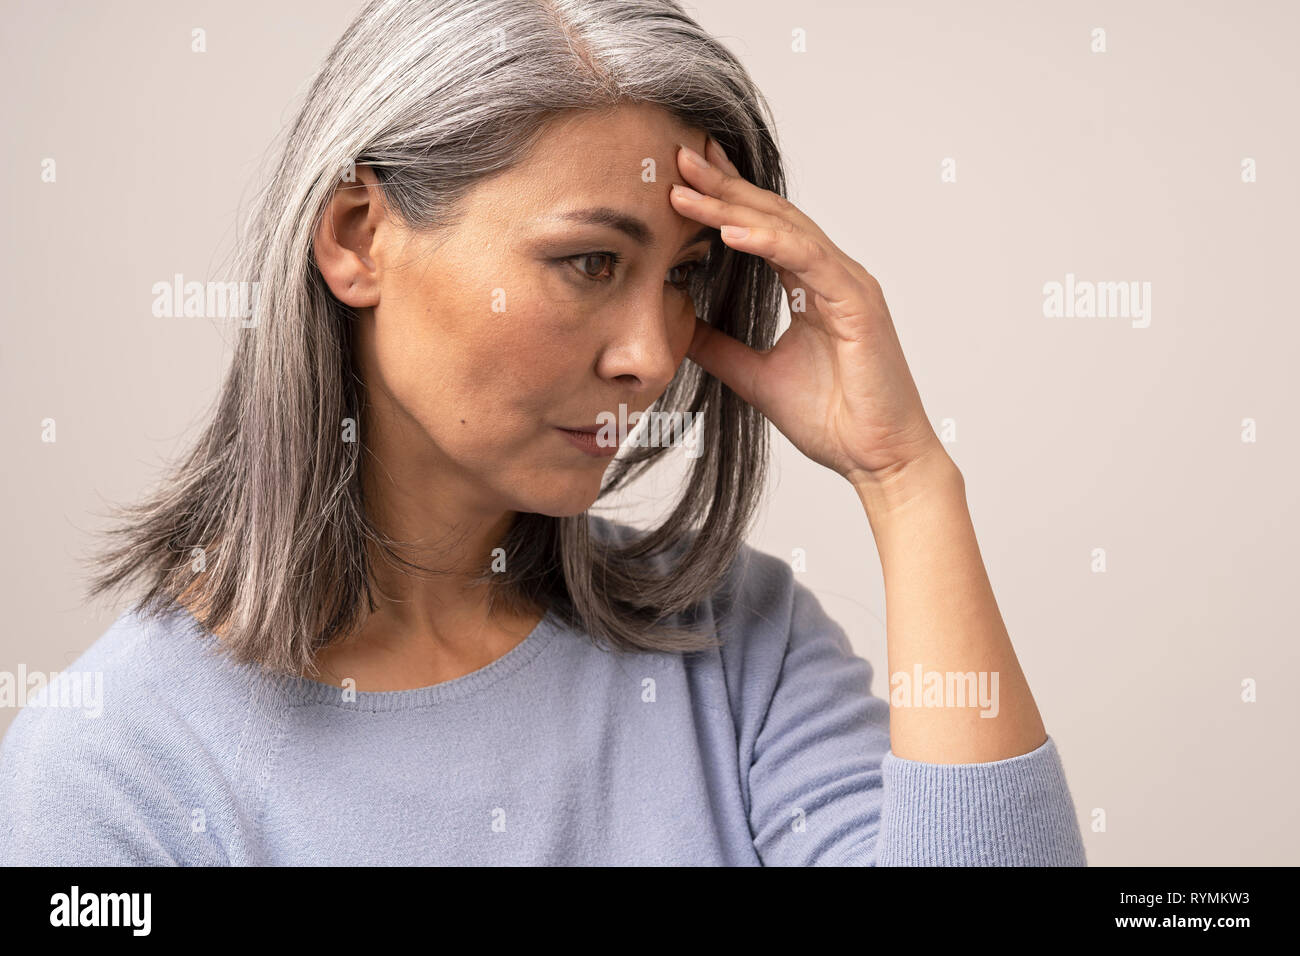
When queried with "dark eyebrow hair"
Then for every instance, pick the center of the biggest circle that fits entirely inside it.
(634, 228)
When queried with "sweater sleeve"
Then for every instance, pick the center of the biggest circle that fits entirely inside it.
(825, 789)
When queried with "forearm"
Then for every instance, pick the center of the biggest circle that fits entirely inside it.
(941, 616)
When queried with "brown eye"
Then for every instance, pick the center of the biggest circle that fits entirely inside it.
(590, 265)
(685, 271)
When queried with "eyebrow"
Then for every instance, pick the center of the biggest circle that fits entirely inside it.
(636, 229)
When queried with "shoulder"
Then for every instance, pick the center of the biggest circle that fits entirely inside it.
(110, 757)
(774, 630)
(142, 671)
(759, 595)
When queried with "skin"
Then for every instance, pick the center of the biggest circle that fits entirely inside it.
(452, 463)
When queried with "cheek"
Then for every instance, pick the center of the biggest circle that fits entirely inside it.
(481, 383)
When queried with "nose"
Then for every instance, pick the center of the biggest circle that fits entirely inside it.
(648, 343)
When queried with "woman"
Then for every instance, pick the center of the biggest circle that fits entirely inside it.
(378, 623)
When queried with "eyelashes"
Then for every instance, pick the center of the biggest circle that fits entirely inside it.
(695, 269)
(579, 261)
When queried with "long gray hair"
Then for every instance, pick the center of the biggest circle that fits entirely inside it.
(433, 95)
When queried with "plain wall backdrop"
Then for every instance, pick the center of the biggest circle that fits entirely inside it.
(1172, 158)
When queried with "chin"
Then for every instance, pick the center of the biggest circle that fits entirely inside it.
(565, 499)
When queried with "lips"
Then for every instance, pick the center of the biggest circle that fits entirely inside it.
(586, 441)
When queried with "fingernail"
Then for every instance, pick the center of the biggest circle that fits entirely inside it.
(693, 157)
(686, 191)
(735, 232)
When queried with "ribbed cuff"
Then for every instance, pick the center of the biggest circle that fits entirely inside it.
(1012, 812)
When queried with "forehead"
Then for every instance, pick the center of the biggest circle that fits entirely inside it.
(623, 157)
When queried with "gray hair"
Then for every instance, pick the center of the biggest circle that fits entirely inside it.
(434, 95)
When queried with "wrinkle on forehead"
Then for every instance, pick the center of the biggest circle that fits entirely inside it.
(597, 159)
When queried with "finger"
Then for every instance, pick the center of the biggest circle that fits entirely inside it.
(716, 212)
(722, 179)
(715, 154)
(730, 186)
(780, 243)
(839, 298)
(725, 357)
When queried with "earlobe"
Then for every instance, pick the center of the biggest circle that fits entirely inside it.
(345, 235)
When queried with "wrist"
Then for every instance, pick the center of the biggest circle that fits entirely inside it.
(931, 475)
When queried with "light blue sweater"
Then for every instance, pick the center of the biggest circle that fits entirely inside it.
(769, 751)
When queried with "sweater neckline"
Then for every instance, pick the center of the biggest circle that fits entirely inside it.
(306, 690)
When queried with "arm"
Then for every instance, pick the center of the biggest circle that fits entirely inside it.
(941, 616)
(837, 385)
(823, 786)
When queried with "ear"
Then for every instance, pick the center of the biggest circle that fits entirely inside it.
(344, 245)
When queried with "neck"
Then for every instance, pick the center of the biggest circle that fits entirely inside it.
(430, 625)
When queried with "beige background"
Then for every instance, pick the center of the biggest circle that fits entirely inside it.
(1073, 433)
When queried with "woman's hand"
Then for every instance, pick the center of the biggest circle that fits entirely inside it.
(837, 386)
(836, 383)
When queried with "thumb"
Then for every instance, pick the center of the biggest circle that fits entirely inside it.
(726, 358)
